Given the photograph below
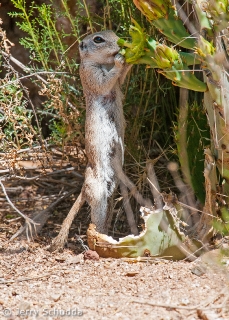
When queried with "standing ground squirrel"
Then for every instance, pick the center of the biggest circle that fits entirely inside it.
(102, 72)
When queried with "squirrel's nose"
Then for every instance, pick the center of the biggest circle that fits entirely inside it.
(81, 45)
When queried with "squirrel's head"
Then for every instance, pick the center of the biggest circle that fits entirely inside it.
(100, 47)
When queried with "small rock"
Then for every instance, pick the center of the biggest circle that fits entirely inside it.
(56, 297)
(75, 259)
(199, 270)
(91, 255)
(185, 301)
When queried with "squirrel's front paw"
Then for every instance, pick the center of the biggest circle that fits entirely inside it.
(119, 60)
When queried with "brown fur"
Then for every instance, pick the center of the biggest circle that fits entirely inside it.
(102, 72)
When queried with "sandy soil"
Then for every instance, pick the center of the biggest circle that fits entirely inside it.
(37, 284)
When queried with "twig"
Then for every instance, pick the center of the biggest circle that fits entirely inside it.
(15, 219)
(27, 219)
(211, 300)
(31, 75)
(25, 279)
(128, 209)
(40, 137)
(21, 65)
(189, 25)
(43, 175)
(49, 114)
(194, 209)
(26, 69)
(173, 306)
(131, 186)
(42, 216)
(29, 149)
(154, 185)
(185, 190)
(198, 250)
(58, 182)
(15, 190)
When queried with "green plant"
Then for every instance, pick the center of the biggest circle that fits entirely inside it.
(44, 40)
(209, 52)
(221, 224)
(192, 143)
(16, 130)
(48, 44)
(55, 71)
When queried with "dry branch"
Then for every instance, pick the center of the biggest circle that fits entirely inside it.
(29, 221)
(41, 218)
(25, 279)
(186, 191)
(128, 209)
(174, 306)
(154, 185)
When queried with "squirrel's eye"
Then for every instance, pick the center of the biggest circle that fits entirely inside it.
(98, 40)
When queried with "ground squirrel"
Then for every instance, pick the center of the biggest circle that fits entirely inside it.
(102, 72)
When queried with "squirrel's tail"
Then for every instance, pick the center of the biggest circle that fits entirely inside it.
(59, 242)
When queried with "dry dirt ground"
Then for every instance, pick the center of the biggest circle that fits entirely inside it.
(37, 284)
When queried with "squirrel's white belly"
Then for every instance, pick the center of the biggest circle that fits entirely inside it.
(103, 143)
(102, 136)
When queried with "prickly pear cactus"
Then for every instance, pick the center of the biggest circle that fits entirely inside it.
(208, 51)
(161, 237)
(169, 61)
